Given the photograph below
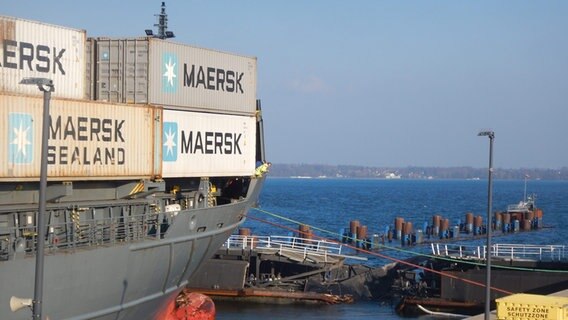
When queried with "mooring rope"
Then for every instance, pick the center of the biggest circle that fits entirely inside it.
(386, 247)
(384, 256)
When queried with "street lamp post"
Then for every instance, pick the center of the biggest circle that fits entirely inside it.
(525, 194)
(491, 136)
(46, 86)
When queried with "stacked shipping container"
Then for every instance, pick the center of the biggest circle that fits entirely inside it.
(165, 109)
(87, 139)
(34, 49)
(150, 70)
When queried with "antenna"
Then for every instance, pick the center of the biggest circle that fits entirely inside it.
(162, 25)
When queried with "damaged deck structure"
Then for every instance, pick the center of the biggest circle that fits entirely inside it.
(280, 269)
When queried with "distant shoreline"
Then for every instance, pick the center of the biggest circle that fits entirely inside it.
(315, 171)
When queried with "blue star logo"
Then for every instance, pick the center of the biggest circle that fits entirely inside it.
(169, 73)
(20, 138)
(170, 139)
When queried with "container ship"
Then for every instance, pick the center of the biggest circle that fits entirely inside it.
(155, 155)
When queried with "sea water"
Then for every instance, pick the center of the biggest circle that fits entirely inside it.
(330, 204)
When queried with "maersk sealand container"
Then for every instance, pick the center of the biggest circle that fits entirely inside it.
(154, 71)
(40, 50)
(88, 140)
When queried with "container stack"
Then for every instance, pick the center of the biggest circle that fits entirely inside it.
(133, 108)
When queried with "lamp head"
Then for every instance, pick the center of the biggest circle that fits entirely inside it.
(487, 133)
(43, 84)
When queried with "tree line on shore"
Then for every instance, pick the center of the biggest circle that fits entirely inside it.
(350, 171)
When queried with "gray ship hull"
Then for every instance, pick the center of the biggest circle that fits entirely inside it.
(130, 280)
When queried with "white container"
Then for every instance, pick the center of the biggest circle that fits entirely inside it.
(88, 140)
(182, 75)
(207, 145)
(35, 49)
(149, 70)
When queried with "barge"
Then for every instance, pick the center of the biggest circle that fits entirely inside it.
(455, 287)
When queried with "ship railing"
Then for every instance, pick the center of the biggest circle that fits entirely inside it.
(503, 251)
(286, 243)
(78, 233)
(521, 207)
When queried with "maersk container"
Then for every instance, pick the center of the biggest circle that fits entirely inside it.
(39, 50)
(88, 140)
(150, 70)
(205, 144)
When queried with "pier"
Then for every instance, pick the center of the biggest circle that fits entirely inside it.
(522, 217)
(286, 269)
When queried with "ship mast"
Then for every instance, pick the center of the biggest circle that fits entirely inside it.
(163, 32)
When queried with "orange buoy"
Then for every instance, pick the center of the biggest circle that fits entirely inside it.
(469, 222)
(353, 227)
(436, 224)
(498, 221)
(362, 232)
(304, 231)
(478, 221)
(445, 225)
(506, 218)
(469, 218)
(407, 228)
(189, 305)
(398, 223)
(436, 220)
(244, 232)
(478, 225)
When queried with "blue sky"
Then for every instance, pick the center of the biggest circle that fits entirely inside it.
(377, 83)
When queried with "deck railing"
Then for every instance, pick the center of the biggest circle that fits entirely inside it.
(78, 234)
(284, 244)
(504, 251)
